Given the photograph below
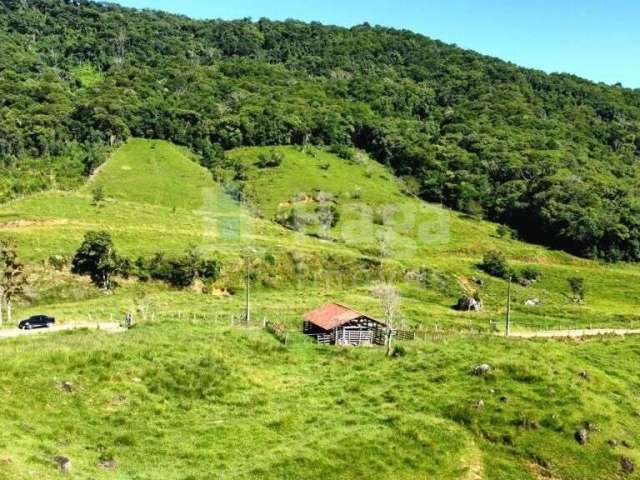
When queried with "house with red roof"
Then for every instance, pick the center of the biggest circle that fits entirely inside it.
(338, 324)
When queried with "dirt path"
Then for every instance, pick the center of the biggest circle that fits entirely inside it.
(474, 463)
(585, 332)
(107, 327)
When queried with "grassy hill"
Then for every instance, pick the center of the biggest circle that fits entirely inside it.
(159, 200)
(189, 393)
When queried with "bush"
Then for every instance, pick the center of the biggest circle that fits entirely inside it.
(58, 262)
(578, 290)
(399, 351)
(342, 151)
(530, 274)
(178, 272)
(328, 215)
(294, 219)
(270, 159)
(98, 195)
(506, 232)
(495, 264)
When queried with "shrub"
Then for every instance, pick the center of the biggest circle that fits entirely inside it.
(578, 290)
(328, 215)
(504, 231)
(98, 195)
(178, 272)
(342, 151)
(530, 274)
(58, 262)
(495, 263)
(378, 218)
(294, 219)
(399, 351)
(270, 159)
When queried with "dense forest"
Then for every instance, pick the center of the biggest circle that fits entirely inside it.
(553, 156)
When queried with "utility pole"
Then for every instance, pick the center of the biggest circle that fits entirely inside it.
(508, 319)
(247, 308)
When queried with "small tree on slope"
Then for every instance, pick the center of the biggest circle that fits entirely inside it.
(390, 300)
(96, 258)
(12, 277)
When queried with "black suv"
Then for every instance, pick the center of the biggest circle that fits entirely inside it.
(37, 321)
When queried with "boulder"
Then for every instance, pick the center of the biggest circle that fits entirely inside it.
(63, 463)
(67, 386)
(482, 369)
(469, 304)
(479, 405)
(582, 436)
(532, 302)
(627, 466)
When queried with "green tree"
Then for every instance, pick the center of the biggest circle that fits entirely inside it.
(98, 195)
(97, 258)
(13, 278)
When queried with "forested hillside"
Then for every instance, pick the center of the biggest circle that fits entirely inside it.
(551, 155)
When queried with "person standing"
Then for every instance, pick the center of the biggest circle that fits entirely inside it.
(128, 320)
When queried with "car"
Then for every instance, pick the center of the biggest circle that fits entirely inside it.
(36, 321)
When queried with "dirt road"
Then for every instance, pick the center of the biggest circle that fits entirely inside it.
(107, 327)
(586, 332)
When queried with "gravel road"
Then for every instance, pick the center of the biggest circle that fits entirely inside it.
(16, 332)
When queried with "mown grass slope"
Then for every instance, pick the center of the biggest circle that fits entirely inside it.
(157, 199)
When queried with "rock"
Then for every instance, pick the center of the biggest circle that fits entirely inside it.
(613, 442)
(109, 464)
(592, 427)
(581, 436)
(6, 461)
(504, 399)
(532, 302)
(626, 444)
(627, 465)
(63, 463)
(584, 375)
(479, 405)
(482, 369)
(468, 304)
(67, 386)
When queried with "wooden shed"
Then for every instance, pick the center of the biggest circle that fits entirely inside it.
(338, 324)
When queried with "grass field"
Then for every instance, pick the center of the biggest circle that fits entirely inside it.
(191, 394)
(188, 400)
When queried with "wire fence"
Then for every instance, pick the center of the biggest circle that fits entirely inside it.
(290, 320)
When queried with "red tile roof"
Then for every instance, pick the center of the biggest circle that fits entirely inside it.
(334, 315)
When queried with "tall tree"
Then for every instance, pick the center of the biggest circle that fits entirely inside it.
(12, 277)
(96, 258)
(390, 301)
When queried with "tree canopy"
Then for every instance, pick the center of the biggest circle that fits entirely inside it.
(553, 156)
